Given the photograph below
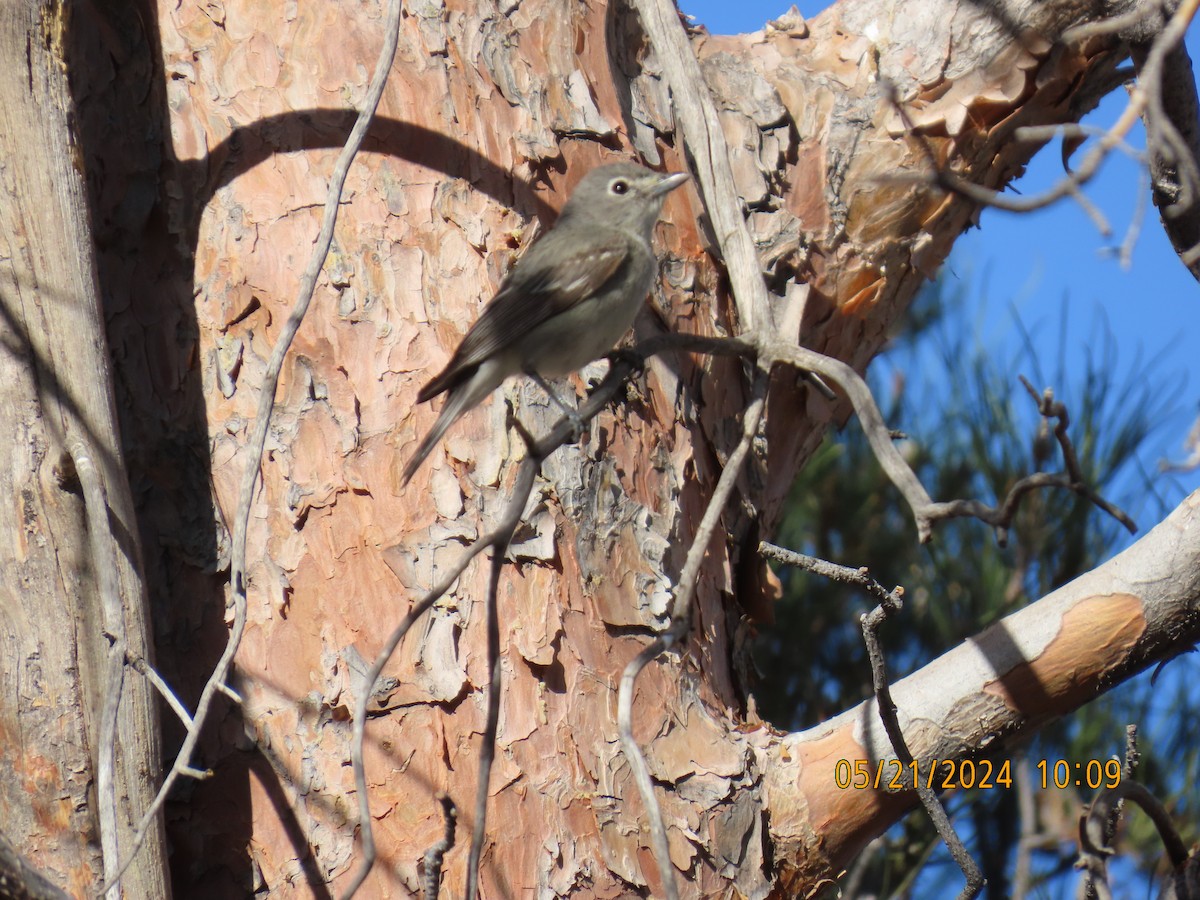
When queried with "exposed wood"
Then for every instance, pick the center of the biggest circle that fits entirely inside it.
(58, 647)
(209, 134)
(529, 89)
(1031, 667)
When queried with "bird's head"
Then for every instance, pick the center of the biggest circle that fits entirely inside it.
(622, 195)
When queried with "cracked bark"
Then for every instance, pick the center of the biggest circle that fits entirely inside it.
(209, 132)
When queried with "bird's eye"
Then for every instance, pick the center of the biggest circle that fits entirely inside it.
(620, 186)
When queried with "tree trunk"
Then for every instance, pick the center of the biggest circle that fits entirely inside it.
(77, 768)
(209, 132)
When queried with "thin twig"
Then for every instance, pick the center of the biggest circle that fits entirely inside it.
(638, 767)
(1093, 847)
(1133, 755)
(1090, 209)
(366, 832)
(891, 725)
(487, 750)
(851, 884)
(890, 603)
(156, 681)
(925, 511)
(217, 680)
(498, 540)
(1041, 134)
(1143, 95)
(1136, 219)
(869, 417)
(1113, 25)
(1049, 408)
(1093, 873)
(700, 126)
(860, 577)
(1029, 836)
(103, 546)
(1172, 129)
(678, 627)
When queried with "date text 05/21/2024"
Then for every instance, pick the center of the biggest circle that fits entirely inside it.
(948, 774)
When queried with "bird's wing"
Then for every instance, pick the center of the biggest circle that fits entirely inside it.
(547, 281)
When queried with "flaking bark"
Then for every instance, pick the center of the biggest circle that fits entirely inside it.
(207, 174)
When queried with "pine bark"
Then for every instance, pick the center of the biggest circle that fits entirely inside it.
(208, 133)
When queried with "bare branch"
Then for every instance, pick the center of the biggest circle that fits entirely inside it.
(1027, 811)
(142, 667)
(1094, 850)
(869, 417)
(1093, 883)
(678, 627)
(890, 603)
(1041, 134)
(637, 764)
(850, 886)
(487, 750)
(1174, 167)
(705, 140)
(891, 725)
(103, 556)
(1136, 219)
(1172, 120)
(984, 196)
(1114, 25)
(860, 577)
(366, 832)
(925, 511)
(1132, 755)
(217, 680)
(1049, 408)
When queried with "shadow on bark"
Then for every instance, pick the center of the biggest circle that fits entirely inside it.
(146, 207)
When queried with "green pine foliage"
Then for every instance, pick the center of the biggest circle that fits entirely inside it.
(971, 431)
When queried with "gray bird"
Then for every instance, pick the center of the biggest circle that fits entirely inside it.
(566, 302)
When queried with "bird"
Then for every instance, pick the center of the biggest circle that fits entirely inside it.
(566, 301)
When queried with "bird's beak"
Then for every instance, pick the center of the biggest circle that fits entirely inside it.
(668, 184)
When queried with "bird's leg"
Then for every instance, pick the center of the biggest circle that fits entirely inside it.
(571, 414)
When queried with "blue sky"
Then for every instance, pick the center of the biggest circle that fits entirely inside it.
(1036, 263)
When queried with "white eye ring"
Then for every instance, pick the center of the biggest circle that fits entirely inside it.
(619, 186)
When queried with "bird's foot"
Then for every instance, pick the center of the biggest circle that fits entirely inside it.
(578, 426)
(629, 357)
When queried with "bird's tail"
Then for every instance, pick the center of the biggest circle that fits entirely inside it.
(454, 408)
(460, 399)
